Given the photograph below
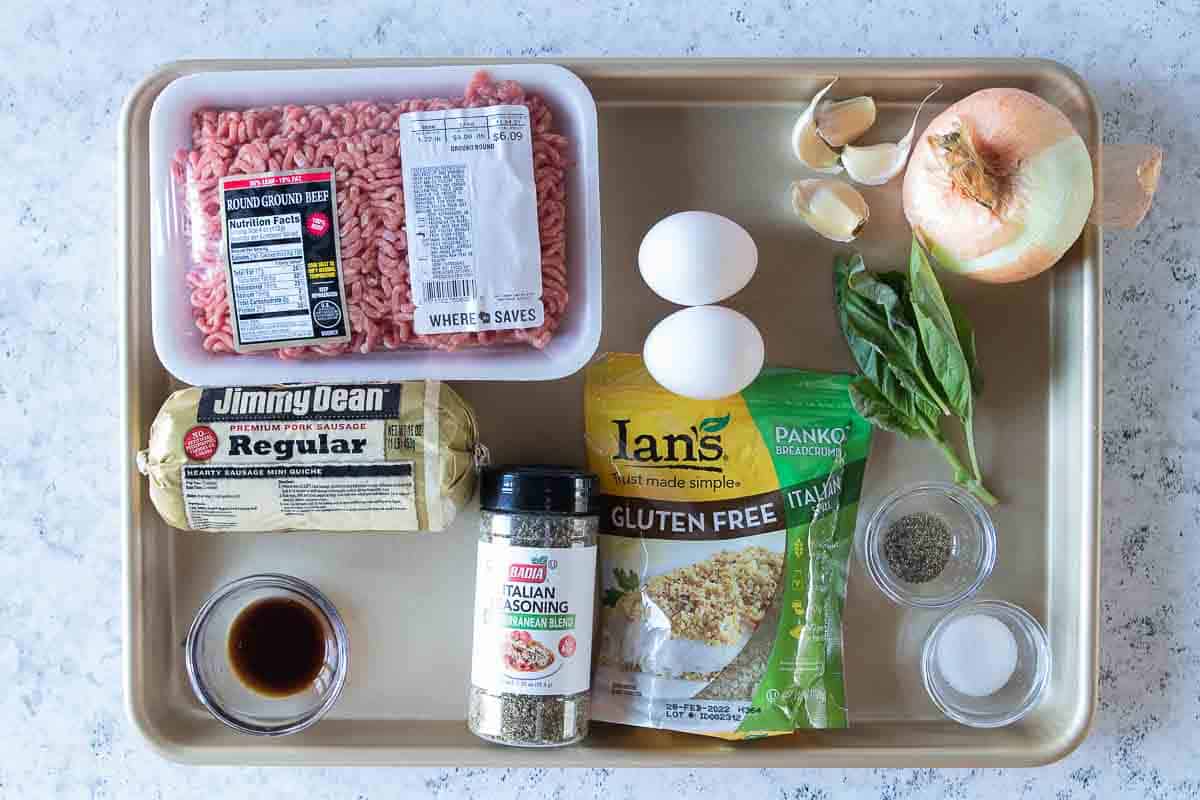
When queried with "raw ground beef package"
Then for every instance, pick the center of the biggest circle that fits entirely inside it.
(361, 141)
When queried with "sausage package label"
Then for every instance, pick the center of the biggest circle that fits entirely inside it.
(263, 496)
(364, 457)
(471, 203)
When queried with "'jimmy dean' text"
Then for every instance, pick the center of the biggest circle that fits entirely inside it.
(298, 402)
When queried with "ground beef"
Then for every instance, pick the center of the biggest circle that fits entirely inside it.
(361, 141)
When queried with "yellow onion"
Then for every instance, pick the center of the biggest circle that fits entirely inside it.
(999, 186)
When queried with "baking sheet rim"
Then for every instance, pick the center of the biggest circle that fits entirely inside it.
(747, 755)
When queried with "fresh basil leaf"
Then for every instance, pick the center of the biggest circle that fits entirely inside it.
(895, 279)
(912, 347)
(843, 266)
(901, 398)
(939, 339)
(899, 283)
(868, 359)
(858, 293)
(887, 295)
(881, 293)
(871, 339)
(966, 340)
(900, 354)
(865, 355)
(889, 299)
(872, 406)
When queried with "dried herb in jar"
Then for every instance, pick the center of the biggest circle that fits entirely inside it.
(534, 595)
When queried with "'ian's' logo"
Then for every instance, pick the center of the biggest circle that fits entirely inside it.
(699, 448)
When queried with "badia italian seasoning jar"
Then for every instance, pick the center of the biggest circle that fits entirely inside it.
(535, 585)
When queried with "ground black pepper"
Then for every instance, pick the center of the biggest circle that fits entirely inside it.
(918, 546)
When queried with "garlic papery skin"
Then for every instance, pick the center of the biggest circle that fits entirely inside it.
(832, 208)
(808, 146)
(842, 122)
(876, 164)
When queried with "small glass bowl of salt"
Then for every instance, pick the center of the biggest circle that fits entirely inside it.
(986, 664)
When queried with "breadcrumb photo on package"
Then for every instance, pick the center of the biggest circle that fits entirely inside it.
(725, 535)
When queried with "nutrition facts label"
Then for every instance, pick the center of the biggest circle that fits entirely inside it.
(282, 255)
(471, 209)
(269, 279)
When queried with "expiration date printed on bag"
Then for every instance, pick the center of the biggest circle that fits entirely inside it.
(471, 204)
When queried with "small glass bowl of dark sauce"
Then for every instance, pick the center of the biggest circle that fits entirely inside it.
(267, 654)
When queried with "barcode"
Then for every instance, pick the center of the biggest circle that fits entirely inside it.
(433, 291)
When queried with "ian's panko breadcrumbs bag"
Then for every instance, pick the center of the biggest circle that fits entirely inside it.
(725, 536)
(325, 457)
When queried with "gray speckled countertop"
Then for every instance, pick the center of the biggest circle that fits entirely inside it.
(64, 69)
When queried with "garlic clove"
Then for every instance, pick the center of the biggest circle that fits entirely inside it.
(840, 123)
(809, 147)
(876, 164)
(832, 208)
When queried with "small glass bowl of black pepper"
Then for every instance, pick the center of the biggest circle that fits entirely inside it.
(267, 654)
(931, 545)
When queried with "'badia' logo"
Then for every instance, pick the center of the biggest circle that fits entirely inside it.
(527, 573)
(698, 447)
(534, 571)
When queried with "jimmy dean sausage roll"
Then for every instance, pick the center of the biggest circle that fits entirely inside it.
(365, 457)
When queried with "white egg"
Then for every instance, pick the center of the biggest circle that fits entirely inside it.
(704, 352)
(694, 258)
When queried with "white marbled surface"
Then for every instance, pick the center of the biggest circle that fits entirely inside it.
(64, 70)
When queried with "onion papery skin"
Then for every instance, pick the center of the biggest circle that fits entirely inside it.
(1044, 188)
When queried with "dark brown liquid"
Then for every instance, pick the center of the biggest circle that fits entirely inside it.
(277, 646)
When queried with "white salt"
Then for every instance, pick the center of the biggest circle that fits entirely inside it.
(977, 655)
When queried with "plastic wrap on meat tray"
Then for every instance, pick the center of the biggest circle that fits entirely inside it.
(360, 140)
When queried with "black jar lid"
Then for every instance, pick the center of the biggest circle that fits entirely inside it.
(548, 489)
